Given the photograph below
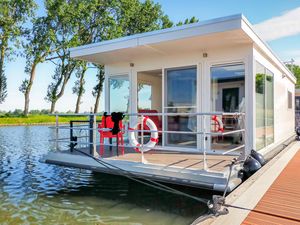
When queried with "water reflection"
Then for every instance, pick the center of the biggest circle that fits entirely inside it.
(35, 193)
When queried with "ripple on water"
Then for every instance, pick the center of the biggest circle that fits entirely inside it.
(35, 193)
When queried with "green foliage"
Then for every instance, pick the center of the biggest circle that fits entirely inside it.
(78, 88)
(188, 21)
(260, 82)
(100, 79)
(9, 119)
(13, 15)
(295, 69)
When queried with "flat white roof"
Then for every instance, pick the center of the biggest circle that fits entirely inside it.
(125, 48)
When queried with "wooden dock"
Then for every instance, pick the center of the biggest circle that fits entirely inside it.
(281, 203)
(271, 196)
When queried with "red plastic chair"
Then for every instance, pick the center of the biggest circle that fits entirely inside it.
(108, 123)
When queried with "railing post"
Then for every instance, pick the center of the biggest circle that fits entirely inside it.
(56, 132)
(204, 143)
(142, 139)
(92, 135)
(71, 137)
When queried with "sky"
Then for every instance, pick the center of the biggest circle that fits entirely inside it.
(276, 21)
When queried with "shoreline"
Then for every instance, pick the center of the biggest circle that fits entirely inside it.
(31, 124)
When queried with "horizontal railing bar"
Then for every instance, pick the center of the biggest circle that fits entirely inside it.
(159, 114)
(60, 139)
(74, 142)
(54, 127)
(154, 148)
(180, 107)
(232, 132)
(234, 149)
(186, 114)
(160, 131)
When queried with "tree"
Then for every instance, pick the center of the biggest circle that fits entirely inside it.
(97, 90)
(78, 89)
(38, 46)
(133, 17)
(61, 76)
(295, 69)
(13, 15)
(64, 16)
(188, 21)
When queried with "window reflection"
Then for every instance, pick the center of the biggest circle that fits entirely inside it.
(119, 93)
(181, 93)
(264, 106)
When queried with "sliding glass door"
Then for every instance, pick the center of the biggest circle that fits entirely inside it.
(180, 97)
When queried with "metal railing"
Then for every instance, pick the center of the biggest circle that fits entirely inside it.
(203, 131)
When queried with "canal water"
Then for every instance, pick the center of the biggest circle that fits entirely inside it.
(36, 193)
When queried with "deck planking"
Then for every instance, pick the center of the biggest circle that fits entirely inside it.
(281, 203)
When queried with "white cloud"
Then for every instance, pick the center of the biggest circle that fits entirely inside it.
(287, 24)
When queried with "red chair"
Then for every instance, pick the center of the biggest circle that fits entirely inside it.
(108, 123)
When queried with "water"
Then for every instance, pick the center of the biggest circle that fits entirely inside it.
(36, 193)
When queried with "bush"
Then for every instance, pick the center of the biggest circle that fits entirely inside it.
(17, 112)
(35, 112)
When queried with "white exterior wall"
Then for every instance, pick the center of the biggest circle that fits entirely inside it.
(233, 54)
(284, 118)
(284, 122)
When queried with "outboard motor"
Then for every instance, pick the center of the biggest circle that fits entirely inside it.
(259, 157)
(251, 165)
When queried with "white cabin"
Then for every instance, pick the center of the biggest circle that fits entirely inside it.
(219, 65)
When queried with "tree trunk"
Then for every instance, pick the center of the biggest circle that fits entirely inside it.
(97, 101)
(101, 78)
(62, 90)
(28, 89)
(80, 91)
(53, 102)
(78, 103)
(3, 92)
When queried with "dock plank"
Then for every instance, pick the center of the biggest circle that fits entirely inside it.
(281, 203)
(185, 161)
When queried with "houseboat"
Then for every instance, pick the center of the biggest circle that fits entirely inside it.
(184, 102)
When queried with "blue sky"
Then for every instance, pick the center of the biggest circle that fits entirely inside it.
(277, 21)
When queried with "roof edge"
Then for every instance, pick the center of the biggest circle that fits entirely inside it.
(162, 31)
(283, 68)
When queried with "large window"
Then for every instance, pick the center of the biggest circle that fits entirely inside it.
(264, 88)
(228, 95)
(181, 92)
(119, 93)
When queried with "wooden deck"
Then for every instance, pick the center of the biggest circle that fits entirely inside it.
(281, 203)
(179, 160)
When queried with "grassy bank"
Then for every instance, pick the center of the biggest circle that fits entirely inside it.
(36, 119)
